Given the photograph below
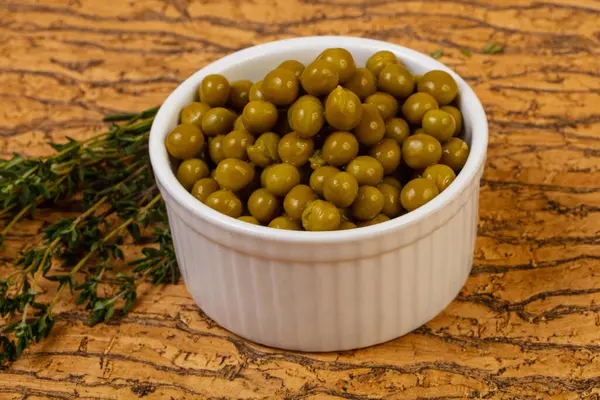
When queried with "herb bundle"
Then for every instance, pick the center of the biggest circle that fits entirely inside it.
(110, 178)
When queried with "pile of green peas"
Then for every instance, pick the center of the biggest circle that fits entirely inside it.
(322, 147)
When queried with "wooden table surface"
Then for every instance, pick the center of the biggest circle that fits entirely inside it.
(527, 323)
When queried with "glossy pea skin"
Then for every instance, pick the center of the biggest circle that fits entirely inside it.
(238, 124)
(388, 153)
(296, 201)
(306, 116)
(264, 150)
(293, 65)
(391, 200)
(390, 180)
(397, 129)
(340, 189)
(321, 215)
(386, 104)
(259, 116)
(343, 109)
(341, 61)
(439, 124)
(417, 192)
(280, 87)
(368, 204)
(440, 85)
(377, 220)
(281, 178)
(319, 78)
(215, 149)
(363, 83)
(379, 60)
(294, 149)
(249, 219)
(285, 223)
(340, 148)
(185, 141)
(396, 80)
(256, 92)
(235, 144)
(455, 153)
(214, 90)
(218, 121)
(239, 94)
(442, 175)
(319, 176)
(234, 174)
(190, 171)
(420, 151)
(371, 127)
(366, 169)
(457, 115)
(204, 188)
(193, 113)
(344, 225)
(225, 202)
(263, 205)
(415, 107)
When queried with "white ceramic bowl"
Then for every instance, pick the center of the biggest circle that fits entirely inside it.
(322, 291)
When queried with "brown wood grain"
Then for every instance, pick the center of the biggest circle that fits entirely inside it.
(527, 323)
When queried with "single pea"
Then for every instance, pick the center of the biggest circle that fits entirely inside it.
(341, 189)
(363, 83)
(190, 171)
(235, 144)
(321, 215)
(249, 219)
(204, 188)
(280, 87)
(440, 84)
(296, 201)
(391, 200)
(442, 175)
(390, 180)
(457, 115)
(415, 107)
(225, 202)
(385, 103)
(263, 205)
(281, 178)
(319, 78)
(193, 113)
(215, 148)
(379, 60)
(371, 127)
(396, 80)
(295, 66)
(368, 204)
(218, 121)
(377, 220)
(259, 116)
(256, 92)
(341, 61)
(234, 174)
(306, 116)
(388, 153)
(419, 131)
(366, 169)
(397, 129)
(286, 223)
(347, 225)
(185, 141)
(294, 149)
(340, 148)
(319, 176)
(439, 124)
(214, 90)
(238, 124)
(239, 94)
(264, 151)
(455, 153)
(417, 193)
(343, 109)
(420, 151)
